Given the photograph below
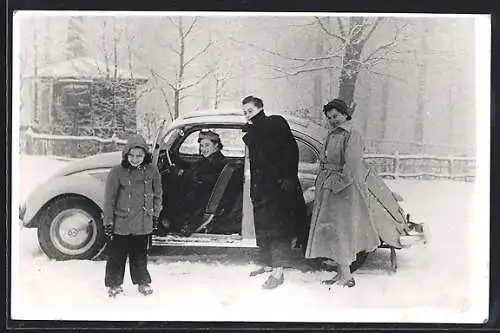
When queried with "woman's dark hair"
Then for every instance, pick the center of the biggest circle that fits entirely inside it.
(148, 159)
(254, 100)
(338, 105)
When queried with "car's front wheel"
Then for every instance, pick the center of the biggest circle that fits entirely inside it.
(71, 228)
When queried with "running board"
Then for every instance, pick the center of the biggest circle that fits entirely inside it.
(204, 240)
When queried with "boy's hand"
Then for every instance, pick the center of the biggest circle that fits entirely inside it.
(108, 230)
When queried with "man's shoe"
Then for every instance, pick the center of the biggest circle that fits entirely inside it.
(273, 282)
(259, 271)
(145, 289)
(114, 291)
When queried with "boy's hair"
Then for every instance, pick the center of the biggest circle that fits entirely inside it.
(254, 100)
(148, 159)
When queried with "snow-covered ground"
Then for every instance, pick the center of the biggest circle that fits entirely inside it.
(433, 281)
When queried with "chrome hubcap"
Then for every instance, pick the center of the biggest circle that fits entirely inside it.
(73, 231)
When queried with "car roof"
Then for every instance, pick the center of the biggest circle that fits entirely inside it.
(236, 117)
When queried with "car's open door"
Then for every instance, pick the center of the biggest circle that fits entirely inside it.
(155, 147)
(247, 224)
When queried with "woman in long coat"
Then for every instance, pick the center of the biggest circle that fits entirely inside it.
(341, 225)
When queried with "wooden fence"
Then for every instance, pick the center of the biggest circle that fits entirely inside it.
(68, 146)
(423, 166)
(390, 166)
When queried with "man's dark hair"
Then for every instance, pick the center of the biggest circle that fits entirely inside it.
(254, 100)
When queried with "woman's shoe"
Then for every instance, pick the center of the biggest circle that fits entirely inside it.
(331, 281)
(145, 289)
(350, 283)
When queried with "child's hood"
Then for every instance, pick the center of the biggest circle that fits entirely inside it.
(133, 142)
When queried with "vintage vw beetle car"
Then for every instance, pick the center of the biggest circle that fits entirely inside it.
(67, 208)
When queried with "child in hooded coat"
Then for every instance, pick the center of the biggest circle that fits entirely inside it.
(133, 202)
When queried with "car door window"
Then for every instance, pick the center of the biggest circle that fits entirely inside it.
(231, 139)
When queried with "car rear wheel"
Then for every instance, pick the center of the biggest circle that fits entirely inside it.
(71, 228)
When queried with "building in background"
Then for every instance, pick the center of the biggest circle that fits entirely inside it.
(76, 97)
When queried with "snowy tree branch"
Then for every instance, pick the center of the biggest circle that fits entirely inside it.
(202, 51)
(385, 47)
(144, 92)
(165, 97)
(356, 32)
(306, 70)
(197, 81)
(169, 46)
(156, 75)
(328, 32)
(341, 27)
(188, 31)
(371, 71)
(372, 29)
(278, 54)
(172, 21)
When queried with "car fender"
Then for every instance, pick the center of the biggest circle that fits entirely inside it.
(84, 185)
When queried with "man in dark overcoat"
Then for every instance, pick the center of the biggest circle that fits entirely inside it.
(278, 202)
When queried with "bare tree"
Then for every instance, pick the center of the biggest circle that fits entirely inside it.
(130, 40)
(104, 48)
(149, 124)
(116, 40)
(222, 74)
(422, 81)
(184, 28)
(385, 107)
(47, 42)
(22, 80)
(347, 51)
(164, 93)
(35, 76)
(221, 80)
(353, 34)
